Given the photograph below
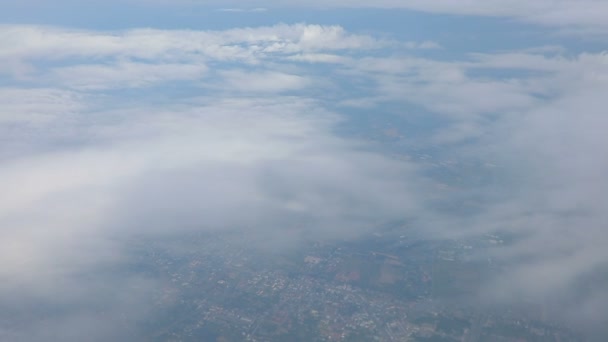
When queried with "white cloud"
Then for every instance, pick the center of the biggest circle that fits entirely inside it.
(217, 158)
(124, 75)
(540, 117)
(319, 58)
(31, 106)
(263, 82)
(66, 211)
(48, 43)
(552, 198)
(144, 57)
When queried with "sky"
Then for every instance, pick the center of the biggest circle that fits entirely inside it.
(307, 118)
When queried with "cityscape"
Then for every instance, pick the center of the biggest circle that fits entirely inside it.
(380, 288)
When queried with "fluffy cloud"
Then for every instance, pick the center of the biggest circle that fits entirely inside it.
(217, 159)
(552, 200)
(145, 57)
(34, 42)
(538, 116)
(267, 81)
(124, 75)
(86, 167)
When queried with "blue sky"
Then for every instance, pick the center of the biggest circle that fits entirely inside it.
(157, 118)
(462, 33)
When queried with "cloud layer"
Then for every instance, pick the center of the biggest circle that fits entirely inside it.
(105, 135)
(96, 152)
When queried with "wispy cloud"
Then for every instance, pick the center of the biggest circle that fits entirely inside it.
(85, 166)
